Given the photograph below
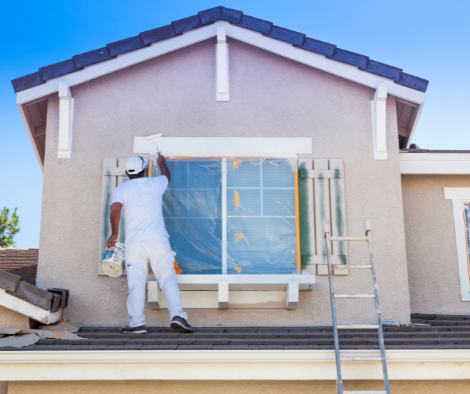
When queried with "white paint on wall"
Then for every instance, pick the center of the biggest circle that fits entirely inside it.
(234, 146)
(459, 196)
(435, 163)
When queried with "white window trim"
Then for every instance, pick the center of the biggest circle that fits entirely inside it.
(225, 283)
(459, 196)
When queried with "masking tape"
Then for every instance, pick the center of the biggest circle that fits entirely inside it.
(237, 199)
(239, 235)
(237, 268)
(178, 270)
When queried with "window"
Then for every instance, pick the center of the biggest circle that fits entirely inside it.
(238, 215)
(232, 215)
(460, 197)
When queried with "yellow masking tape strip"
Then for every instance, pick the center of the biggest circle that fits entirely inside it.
(238, 269)
(297, 225)
(239, 235)
(237, 199)
(150, 172)
(235, 164)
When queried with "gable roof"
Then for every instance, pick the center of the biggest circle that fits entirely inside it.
(207, 17)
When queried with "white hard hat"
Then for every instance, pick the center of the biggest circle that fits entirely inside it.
(135, 164)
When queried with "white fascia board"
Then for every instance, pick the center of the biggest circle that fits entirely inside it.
(414, 364)
(25, 308)
(122, 61)
(435, 163)
(200, 146)
(250, 37)
(321, 62)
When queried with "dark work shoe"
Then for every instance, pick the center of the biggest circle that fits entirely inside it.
(133, 330)
(180, 324)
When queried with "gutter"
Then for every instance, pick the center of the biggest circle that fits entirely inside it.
(409, 364)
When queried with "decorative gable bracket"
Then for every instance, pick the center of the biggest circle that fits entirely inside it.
(65, 121)
(222, 77)
(379, 120)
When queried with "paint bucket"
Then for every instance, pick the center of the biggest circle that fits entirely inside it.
(113, 261)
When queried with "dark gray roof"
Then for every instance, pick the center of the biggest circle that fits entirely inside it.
(21, 262)
(433, 151)
(433, 332)
(210, 16)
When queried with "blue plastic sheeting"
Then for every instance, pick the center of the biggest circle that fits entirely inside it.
(260, 215)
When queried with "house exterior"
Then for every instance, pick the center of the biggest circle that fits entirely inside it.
(290, 131)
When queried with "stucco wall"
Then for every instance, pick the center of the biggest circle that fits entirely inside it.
(234, 387)
(430, 243)
(175, 94)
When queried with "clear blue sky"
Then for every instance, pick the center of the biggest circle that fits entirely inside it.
(430, 39)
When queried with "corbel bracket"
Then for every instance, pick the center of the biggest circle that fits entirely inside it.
(379, 120)
(221, 60)
(65, 121)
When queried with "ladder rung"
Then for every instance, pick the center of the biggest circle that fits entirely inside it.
(351, 267)
(354, 295)
(364, 391)
(361, 358)
(349, 238)
(353, 326)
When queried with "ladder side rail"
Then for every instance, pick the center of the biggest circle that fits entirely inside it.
(339, 378)
(379, 318)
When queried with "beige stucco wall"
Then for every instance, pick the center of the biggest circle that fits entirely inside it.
(175, 94)
(430, 243)
(234, 387)
(11, 319)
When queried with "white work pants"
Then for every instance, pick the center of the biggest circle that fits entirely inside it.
(157, 250)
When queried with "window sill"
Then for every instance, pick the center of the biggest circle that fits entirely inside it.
(235, 291)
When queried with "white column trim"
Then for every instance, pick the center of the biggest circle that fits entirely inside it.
(222, 74)
(459, 195)
(379, 122)
(65, 121)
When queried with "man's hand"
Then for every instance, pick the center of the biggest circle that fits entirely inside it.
(161, 159)
(111, 243)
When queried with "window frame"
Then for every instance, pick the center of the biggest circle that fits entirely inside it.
(224, 270)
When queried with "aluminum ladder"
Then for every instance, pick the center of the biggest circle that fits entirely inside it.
(333, 296)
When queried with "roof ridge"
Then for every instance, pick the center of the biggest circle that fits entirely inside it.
(144, 39)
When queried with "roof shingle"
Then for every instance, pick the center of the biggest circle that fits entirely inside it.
(235, 17)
